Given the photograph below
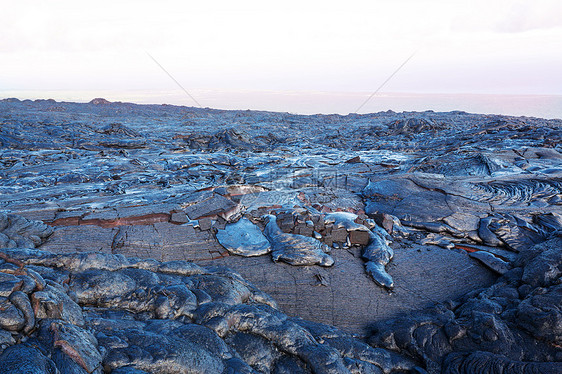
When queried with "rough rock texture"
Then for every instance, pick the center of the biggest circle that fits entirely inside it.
(94, 313)
(462, 215)
(296, 249)
(511, 327)
(17, 231)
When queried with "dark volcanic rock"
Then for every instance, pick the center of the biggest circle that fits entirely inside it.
(227, 139)
(296, 249)
(215, 205)
(411, 125)
(500, 321)
(99, 101)
(147, 316)
(119, 129)
(158, 183)
(26, 359)
(17, 231)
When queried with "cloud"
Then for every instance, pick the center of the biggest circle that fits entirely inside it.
(507, 16)
(249, 44)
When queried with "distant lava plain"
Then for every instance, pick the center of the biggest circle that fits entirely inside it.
(159, 239)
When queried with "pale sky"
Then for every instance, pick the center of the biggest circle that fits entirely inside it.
(476, 46)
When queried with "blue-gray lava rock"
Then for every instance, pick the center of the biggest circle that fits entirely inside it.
(488, 259)
(296, 249)
(127, 281)
(243, 238)
(378, 254)
(513, 327)
(133, 316)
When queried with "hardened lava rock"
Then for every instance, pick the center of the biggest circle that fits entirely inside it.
(103, 313)
(17, 231)
(512, 327)
(459, 194)
(295, 249)
(243, 238)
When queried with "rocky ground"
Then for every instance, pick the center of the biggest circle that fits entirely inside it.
(165, 239)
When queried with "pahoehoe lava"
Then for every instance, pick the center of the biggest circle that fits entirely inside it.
(166, 239)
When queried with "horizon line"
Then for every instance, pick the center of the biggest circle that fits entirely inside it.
(430, 108)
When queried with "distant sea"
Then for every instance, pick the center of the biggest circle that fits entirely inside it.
(312, 102)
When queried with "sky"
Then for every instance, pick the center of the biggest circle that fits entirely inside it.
(477, 46)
